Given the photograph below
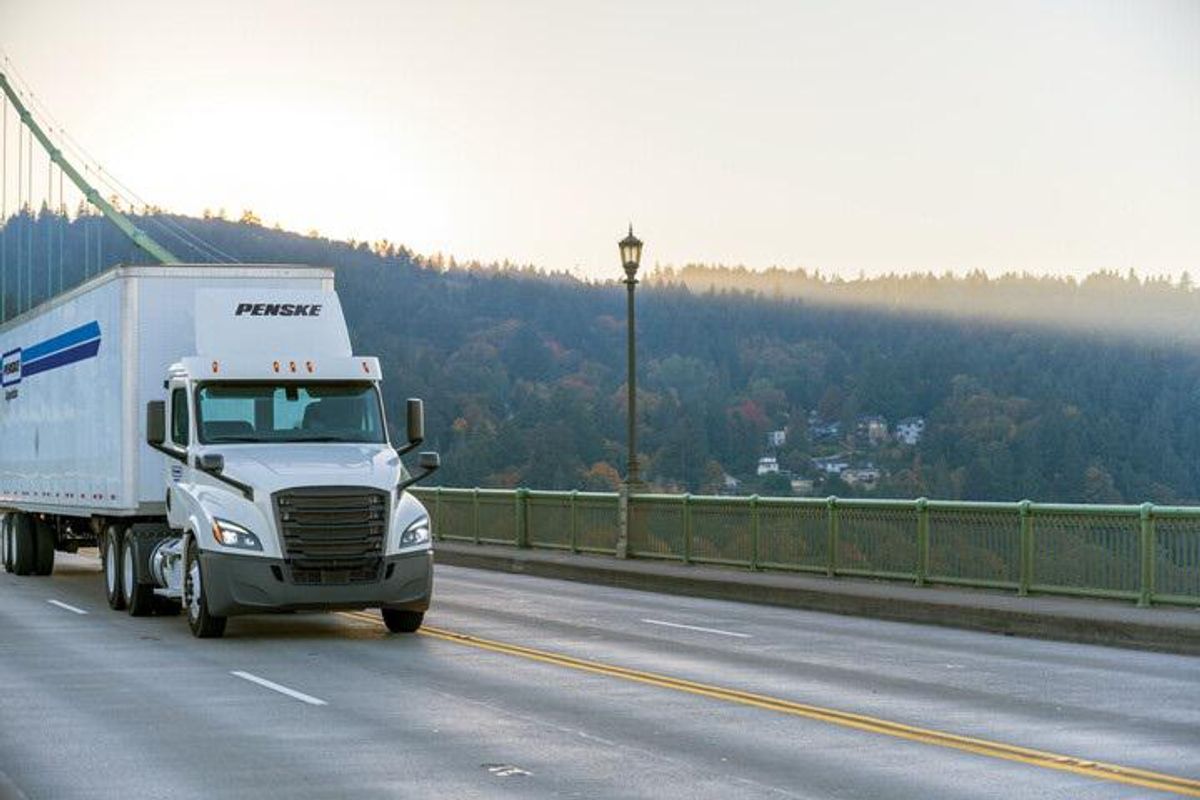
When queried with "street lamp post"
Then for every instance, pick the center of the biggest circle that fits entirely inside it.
(631, 257)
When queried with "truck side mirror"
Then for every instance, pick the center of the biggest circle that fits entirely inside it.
(211, 462)
(156, 422)
(416, 425)
(429, 463)
(416, 421)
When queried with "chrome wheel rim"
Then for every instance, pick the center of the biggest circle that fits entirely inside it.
(192, 590)
(127, 571)
(110, 569)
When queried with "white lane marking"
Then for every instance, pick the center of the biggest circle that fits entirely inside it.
(67, 607)
(696, 628)
(301, 696)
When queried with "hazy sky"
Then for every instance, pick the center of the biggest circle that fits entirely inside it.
(1055, 136)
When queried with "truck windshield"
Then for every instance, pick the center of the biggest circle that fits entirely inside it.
(288, 412)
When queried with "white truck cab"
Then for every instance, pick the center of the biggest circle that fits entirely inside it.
(264, 477)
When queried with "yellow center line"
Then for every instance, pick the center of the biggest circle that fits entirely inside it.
(984, 747)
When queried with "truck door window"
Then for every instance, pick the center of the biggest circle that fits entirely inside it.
(179, 417)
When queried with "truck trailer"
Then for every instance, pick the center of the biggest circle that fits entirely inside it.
(210, 430)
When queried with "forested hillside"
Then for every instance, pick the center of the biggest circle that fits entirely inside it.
(523, 371)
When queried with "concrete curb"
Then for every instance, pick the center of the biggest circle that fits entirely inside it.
(1115, 624)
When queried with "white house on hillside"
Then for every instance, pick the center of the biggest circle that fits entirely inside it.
(831, 465)
(874, 429)
(865, 477)
(910, 429)
(768, 465)
(776, 438)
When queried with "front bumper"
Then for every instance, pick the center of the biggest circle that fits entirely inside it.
(237, 584)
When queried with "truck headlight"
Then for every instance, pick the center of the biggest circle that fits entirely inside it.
(231, 534)
(416, 533)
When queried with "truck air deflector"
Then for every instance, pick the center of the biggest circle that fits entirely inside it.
(283, 323)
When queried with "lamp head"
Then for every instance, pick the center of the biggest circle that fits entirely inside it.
(631, 253)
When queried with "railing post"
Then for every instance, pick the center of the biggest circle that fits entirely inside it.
(574, 522)
(521, 497)
(437, 514)
(922, 507)
(623, 521)
(475, 511)
(754, 531)
(687, 529)
(832, 538)
(1026, 549)
(1147, 555)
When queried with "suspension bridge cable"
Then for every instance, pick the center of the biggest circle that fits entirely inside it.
(112, 183)
(122, 222)
(46, 226)
(160, 221)
(118, 188)
(20, 209)
(180, 232)
(62, 227)
(4, 215)
(29, 222)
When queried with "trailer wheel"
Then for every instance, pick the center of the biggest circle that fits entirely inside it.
(44, 548)
(139, 597)
(203, 624)
(6, 542)
(400, 621)
(111, 551)
(23, 542)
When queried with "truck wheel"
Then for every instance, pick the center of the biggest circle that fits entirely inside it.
(6, 542)
(401, 621)
(23, 541)
(203, 624)
(111, 551)
(139, 597)
(43, 561)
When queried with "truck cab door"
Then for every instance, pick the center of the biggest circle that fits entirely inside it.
(179, 436)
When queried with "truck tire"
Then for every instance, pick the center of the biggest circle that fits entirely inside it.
(139, 597)
(23, 544)
(110, 549)
(398, 620)
(43, 559)
(203, 624)
(6, 542)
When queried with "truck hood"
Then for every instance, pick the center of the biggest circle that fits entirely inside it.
(272, 467)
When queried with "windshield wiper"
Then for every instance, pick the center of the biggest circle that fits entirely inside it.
(232, 439)
(318, 439)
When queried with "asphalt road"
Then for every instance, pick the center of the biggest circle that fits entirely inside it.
(528, 687)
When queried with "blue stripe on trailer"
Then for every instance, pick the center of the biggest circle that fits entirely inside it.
(61, 358)
(63, 341)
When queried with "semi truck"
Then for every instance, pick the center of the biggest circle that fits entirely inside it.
(211, 432)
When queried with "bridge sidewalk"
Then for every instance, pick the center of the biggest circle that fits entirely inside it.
(1113, 623)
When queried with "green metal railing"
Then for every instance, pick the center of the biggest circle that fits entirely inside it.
(1149, 554)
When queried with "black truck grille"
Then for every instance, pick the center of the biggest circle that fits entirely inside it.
(333, 534)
